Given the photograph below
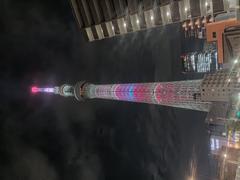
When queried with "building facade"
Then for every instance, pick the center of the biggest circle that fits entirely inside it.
(99, 19)
(200, 62)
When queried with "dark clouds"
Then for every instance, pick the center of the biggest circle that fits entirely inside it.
(47, 137)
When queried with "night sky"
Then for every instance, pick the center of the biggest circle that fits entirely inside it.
(46, 137)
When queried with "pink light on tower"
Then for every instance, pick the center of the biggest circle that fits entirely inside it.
(34, 89)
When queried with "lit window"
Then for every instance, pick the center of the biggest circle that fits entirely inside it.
(152, 18)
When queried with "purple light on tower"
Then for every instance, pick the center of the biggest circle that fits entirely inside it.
(36, 89)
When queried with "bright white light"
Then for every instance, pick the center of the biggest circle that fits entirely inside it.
(225, 155)
(238, 75)
(186, 9)
(124, 24)
(235, 61)
(217, 143)
(212, 144)
(229, 80)
(152, 18)
(206, 3)
(168, 14)
(113, 28)
(137, 21)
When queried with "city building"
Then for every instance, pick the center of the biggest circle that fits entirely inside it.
(223, 135)
(99, 19)
(200, 62)
(215, 33)
(227, 163)
(216, 143)
(231, 42)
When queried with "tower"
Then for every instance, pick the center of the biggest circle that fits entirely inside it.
(213, 90)
(182, 94)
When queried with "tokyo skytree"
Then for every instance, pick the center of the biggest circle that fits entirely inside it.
(190, 94)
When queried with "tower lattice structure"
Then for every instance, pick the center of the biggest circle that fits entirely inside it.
(200, 95)
(181, 94)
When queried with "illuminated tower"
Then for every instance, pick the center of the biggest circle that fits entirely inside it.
(211, 91)
(182, 94)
